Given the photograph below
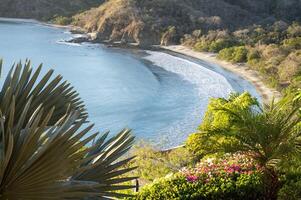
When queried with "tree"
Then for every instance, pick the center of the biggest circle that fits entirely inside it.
(269, 135)
(203, 142)
(43, 149)
(294, 30)
(234, 54)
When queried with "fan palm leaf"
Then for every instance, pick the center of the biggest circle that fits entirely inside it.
(23, 83)
(45, 153)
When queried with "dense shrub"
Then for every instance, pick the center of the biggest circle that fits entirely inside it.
(220, 44)
(155, 164)
(267, 49)
(291, 179)
(294, 30)
(253, 54)
(200, 143)
(213, 41)
(170, 36)
(62, 20)
(234, 54)
(294, 43)
(259, 132)
(232, 177)
(295, 83)
(254, 59)
(215, 120)
(291, 66)
(201, 46)
(290, 191)
(214, 46)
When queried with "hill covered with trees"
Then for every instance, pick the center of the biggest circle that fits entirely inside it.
(44, 9)
(273, 50)
(154, 21)
(166, 21)
(146, 21)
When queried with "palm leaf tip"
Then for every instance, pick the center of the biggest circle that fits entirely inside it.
(43, 153)
(23, 83)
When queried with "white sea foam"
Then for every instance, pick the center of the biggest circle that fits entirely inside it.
(78, 35)
(68, 43)
(208, 83)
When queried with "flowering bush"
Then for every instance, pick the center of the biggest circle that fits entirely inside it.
(231, 177)
(230, 166)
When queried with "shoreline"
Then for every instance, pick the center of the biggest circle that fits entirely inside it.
(243, 71)
(180, 50)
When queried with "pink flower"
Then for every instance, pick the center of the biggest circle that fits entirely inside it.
(192, 178)
(227, 166)
(230, 170)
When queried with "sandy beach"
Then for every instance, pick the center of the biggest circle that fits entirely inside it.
(242, 70)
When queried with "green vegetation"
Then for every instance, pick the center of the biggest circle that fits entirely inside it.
(154, 164)
(242, 150)
(234, 54)
(267, 135)
(43, 142)
(170, 36)
(213, 46)
(291, 190)
(272, 50)
(61, 20)
(228, 177)
(214, 41)
(202, 144)
(293, 43)
(177, 187)
(149, 22)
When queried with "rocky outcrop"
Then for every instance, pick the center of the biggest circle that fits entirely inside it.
(79, 40)
(116, 20)
(84, 37)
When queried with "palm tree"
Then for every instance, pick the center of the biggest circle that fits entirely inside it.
(269, 135)
(45, 152)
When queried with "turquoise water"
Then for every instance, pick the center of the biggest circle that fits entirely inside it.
(119, 88)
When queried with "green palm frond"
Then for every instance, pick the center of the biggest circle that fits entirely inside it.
(22, 82)
(271, 132)
(44, 151)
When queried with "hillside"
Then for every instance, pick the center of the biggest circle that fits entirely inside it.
(149, 22)
(44, 9)
(166, 21)
(144, 21)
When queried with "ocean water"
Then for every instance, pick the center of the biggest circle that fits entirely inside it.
(161, 97)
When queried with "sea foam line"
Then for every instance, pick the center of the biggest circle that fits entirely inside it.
(208, 82)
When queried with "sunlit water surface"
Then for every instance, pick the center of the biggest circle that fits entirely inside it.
(160, 96)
